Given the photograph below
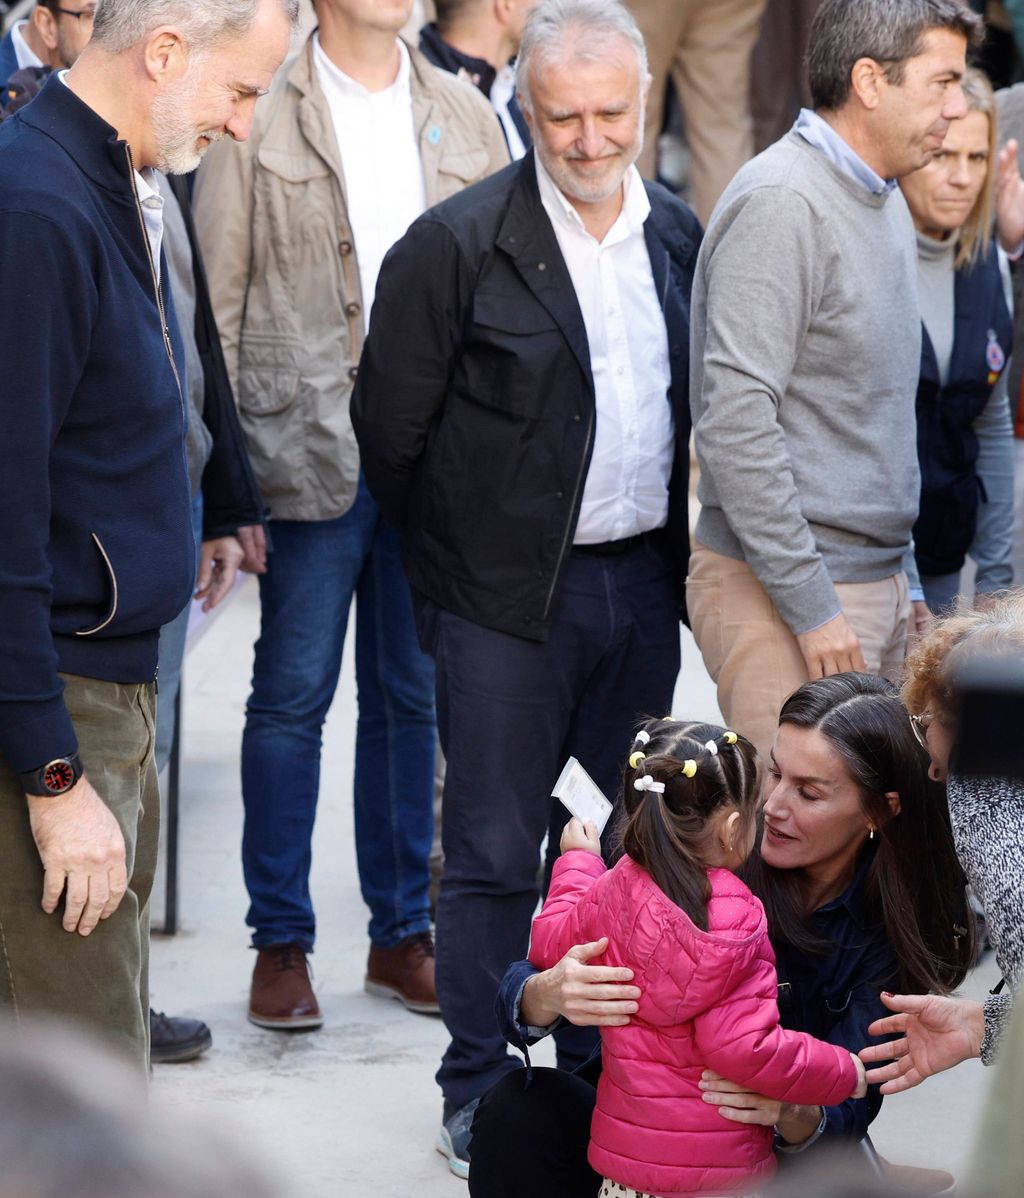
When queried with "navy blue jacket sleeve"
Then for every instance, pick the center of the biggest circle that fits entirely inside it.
(506, 1008)
(49, 299)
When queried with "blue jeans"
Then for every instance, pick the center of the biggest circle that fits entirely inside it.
(510, 712)
(314, 570)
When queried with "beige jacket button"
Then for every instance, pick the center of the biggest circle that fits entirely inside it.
(352, 308)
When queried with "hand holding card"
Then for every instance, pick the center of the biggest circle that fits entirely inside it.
(580, 795)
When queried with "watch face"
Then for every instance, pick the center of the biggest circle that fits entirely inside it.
(58, 777)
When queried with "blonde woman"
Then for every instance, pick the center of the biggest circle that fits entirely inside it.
(965, 435)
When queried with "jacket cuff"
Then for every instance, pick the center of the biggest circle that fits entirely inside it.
(998, 1008)
(33, 734)
(810, 605)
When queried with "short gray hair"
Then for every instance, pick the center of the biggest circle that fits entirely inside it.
(889, 31)
(550, 24)
(121, 24)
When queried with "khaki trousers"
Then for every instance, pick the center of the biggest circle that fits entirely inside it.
(706, 46)
(750, 652)
(100, 980)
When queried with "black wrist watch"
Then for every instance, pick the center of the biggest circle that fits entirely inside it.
(55, 778)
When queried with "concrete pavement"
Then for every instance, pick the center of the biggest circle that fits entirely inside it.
(353, 1109)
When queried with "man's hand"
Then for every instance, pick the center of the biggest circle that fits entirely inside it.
(921, 620)
(938, 1033)
(219, 561)
(831, 649)
(743, 1105)
(253, 539)
(577, 835)
(586, 995)
(80, 845)
(1009, 199)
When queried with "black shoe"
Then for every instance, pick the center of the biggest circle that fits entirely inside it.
(174, 1039)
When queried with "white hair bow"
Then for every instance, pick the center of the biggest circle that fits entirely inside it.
(648, 783)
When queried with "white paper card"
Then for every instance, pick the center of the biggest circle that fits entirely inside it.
(579, 793)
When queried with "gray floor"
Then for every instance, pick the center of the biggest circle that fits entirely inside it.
(353, 1109)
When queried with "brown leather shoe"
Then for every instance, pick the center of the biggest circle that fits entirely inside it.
(282, 997)
(405, 972)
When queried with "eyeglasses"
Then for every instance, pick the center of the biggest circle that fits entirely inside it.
(87, 14)
(919, 726)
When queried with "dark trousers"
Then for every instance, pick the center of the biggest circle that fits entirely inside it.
(532, 1138)
(510, 711)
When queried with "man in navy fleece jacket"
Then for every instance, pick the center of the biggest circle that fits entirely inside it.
(96, 549)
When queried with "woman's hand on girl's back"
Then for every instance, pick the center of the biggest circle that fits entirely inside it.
(586, 995)
(577, 835)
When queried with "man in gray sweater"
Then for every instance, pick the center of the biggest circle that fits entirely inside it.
(806, 351)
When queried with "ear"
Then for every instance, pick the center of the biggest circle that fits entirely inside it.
(165, 54)
(45, 23)
(727, 830)
(895, 806)
(866, 80)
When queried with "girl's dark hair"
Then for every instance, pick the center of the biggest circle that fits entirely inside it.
(667, 834)
(914, 885)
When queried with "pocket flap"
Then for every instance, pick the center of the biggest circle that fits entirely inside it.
(520, 314)
(292, 167)
(469, 165)
(263, 391)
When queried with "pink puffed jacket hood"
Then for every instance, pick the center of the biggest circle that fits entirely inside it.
(708, 1002)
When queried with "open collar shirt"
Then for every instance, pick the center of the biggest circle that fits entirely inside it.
(380, 155)
(626, 490)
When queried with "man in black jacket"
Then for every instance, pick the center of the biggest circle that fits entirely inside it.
(96, 551)
(522, 414)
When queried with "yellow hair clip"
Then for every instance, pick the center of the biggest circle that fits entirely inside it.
(730, 738)
(636, 758)
(689, 768)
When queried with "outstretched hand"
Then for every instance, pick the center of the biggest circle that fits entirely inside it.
(937, 1033)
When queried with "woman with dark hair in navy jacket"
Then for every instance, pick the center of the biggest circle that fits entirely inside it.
(964, 431)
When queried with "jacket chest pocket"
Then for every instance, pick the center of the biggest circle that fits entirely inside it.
(457, 171)
(297, 193)
(518, 356)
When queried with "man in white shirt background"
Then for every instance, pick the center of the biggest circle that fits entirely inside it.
(53, 36)
(522, 413)
(478, 40)
(359, 138)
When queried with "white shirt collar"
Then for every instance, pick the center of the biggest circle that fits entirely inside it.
(23, 52)
(399, 90)
(636, 207)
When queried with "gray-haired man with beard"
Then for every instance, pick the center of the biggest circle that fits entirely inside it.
(96, 550)
(522, 414)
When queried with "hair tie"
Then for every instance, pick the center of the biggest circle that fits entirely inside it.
(636, 758)
(642, 738)
(648, 783)
(730, 738)
(712, 748)
(689, 769)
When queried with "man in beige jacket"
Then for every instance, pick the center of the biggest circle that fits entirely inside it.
(357, 139)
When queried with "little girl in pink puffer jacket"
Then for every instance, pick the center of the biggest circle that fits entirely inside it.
(697, 942)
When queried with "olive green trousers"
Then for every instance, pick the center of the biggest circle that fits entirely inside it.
(100, 981)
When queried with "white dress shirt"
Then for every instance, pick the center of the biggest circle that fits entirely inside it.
(502, 90)
(25, 55)
(380, 156)
(626, 491)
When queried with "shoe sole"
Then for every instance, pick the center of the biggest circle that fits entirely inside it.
(183, 1053)
(288, 1023)
(382, 990)
(456, 1164)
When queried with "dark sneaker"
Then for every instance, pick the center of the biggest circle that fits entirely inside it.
(405, 972)
(456, 1132)
(173, 1039)
(282, 995)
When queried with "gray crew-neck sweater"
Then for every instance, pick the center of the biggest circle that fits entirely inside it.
(806, 352)
(936, 280)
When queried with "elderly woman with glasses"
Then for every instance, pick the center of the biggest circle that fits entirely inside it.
(987, 817)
